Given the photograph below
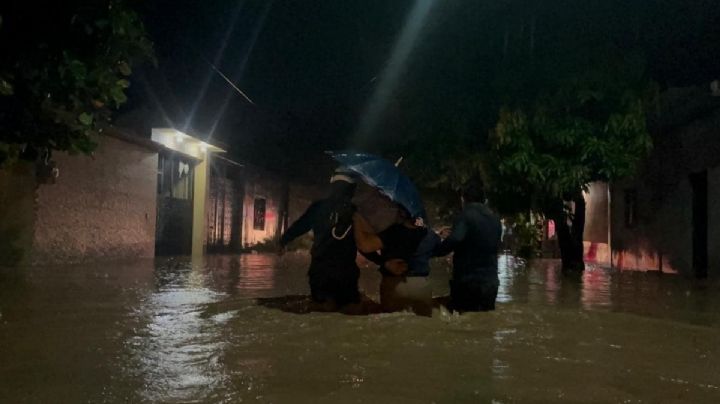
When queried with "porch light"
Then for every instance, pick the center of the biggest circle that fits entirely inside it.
(178, 141)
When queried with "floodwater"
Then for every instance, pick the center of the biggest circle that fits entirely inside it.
(177, 331)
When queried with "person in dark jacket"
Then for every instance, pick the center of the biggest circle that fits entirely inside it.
(333, 273)
(475, 239)
(403, 252)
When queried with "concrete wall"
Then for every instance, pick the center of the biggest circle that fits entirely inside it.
(200, 196)
(714, 222)
(595, 237)
(101, 207)
(17, 214)
(596, 223)
(662, 236)
(260, 184)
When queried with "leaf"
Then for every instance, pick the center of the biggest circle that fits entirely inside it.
(118, 95)
(85, 119)
(6, 88)
(124, 68)
(78, 70)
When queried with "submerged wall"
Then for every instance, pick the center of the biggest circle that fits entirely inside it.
(656, 233)
(714, 220)
(17, 214)
(263, 202)
(595, 237)
(101, 206)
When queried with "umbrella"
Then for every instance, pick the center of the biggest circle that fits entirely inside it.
(386, 177)
(379, 210)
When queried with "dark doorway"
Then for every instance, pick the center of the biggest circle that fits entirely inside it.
(698, 182)
(173, 231)
(224, 222)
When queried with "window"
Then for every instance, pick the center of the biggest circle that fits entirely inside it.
(175, 177)
(630, 208)
(259, 215)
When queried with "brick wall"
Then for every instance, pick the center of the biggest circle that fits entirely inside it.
(101, 207)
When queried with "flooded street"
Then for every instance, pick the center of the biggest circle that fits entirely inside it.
(180, 331)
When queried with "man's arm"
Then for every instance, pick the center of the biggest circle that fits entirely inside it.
(301, 226)
(457, 235)
(373, 257)
(365, 237)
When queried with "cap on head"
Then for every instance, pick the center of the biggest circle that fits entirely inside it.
(343, 175)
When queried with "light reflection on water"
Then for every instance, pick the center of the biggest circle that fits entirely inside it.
(174, 330)
(178, 350)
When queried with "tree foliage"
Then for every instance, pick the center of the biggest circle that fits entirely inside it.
(64, 68)
(589, 125)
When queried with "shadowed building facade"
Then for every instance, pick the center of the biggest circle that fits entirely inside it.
(667, 218)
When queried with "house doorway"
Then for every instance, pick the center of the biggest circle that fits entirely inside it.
(224, 221)
(173, 232)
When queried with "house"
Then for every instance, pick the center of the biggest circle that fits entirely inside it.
(134, 197)
(247, 206)
(183, 177)
(667, 217)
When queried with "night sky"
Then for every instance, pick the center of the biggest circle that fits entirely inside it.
(311, 67)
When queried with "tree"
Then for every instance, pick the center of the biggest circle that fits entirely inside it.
(586, 123)
(64, 68)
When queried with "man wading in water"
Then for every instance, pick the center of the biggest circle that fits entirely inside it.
(333, 273)
(475, 238)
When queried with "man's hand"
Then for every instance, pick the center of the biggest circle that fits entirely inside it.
(445, 232)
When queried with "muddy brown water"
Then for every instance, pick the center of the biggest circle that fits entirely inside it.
(178, 331)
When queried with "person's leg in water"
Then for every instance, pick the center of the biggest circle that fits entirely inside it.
(345, 285)
(399, 293)
(333, 286)
(473, 295)
(320, 290)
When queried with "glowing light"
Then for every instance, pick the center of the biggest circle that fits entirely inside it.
(182, 142)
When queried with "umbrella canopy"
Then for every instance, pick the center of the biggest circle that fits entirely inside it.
(386, 177)
(379, 211)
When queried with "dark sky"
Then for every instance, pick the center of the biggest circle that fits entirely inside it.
(311, 67)
(308, 66)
